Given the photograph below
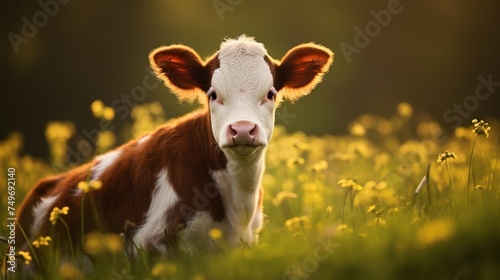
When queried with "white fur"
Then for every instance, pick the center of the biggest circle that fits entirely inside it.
(104, 161)
(163, 198)
(242, 82)
(239, 188)
(196, 233)
(40, 213)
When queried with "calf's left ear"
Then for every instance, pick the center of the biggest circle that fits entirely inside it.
(301, 69)
(182, 70)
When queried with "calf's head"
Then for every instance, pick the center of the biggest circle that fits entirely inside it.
(242, 85)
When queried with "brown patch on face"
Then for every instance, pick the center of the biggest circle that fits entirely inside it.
(272, 68)
(211, 65)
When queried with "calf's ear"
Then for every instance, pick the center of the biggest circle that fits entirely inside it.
(182, 70)
(301, 69)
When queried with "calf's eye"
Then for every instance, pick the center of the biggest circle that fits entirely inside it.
(212, 95)
(271, 95)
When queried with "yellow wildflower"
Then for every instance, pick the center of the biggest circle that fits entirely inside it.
(156, 108)
(106, 140)
(59, 131)
(405, 110)
(442, 157)
(372, 208)
(283, 195)
(479, 187)
(320, 166)
(329, 209)
(350, 184)
(357, 129)
(215, 233)
(435, 231)
(56, 212)
(164, 268)
(301, 146)
(114, 243)
(97, 107)
(83, 186)
(481, 128)
(108, 113)
(93, 243)
(393, 210)
(96, 243)
(88, 186)
(26, 256)
(344, 228)
(95, 185)
(69, 271)
(99, 110)
(297, 222)
(295, 161)
(41, 241)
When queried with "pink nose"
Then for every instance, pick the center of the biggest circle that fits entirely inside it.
(242, 133)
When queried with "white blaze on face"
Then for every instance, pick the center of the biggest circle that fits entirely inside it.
(239, 84)
(240, 98)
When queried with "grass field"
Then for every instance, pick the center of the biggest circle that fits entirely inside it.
(338, 207)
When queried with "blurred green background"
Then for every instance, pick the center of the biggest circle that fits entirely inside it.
(430, 54)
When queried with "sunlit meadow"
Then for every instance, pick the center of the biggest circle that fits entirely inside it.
(397, 198)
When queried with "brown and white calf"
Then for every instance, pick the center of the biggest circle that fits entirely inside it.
(202, 172)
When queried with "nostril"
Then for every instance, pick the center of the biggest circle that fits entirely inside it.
(253, 131)
(232, 131)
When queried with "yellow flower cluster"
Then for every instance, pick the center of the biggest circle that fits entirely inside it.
(215, 233)
(41, 241)
(56, 212)
(162, 269)
(435, 231)
(405, 110)
(26, 256)
(283, 195)
(481, 128)
(296, 223)
(59, 131)
(350, 184)
(96, 243)
(57, 134)
(320, 166)
(146, 117)
(292, 162)
(105, 141)
(344, 228)
(70, 272)
(443, 157)
(100, 111)
(88, 186)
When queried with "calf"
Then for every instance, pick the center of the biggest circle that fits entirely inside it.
(202, 172)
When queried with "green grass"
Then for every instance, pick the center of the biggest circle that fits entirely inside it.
(320, 229)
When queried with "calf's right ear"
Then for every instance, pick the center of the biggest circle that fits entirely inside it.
(182, 70)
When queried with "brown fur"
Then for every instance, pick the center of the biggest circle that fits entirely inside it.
(129, 182)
